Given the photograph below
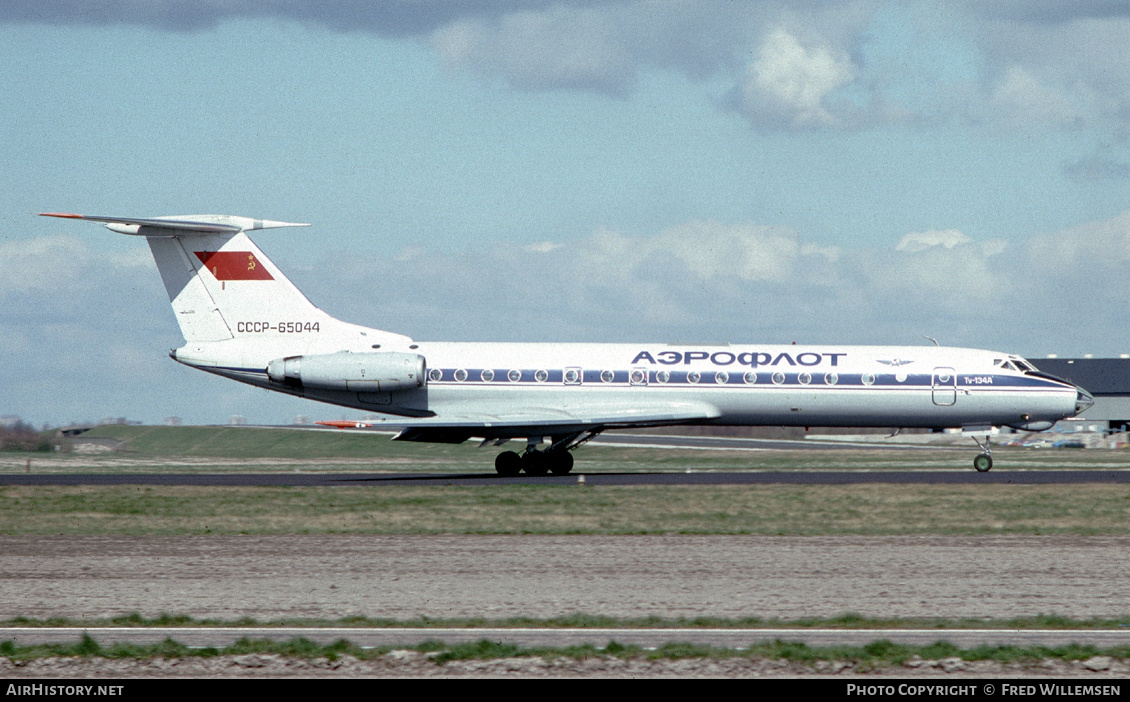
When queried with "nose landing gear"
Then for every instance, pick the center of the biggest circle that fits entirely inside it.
(984, 461)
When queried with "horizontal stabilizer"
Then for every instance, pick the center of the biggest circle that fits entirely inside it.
(178, 225)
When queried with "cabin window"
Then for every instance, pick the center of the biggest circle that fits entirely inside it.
(804, 378)
(750, 377)
(662, 377)
(721, 377)
(607, 376)
(868, 378)
(778, 378)
(541, 376)
(487, 375)
(514, 375)
(572, 376)
(435, 374)
(831, 378)
(461, 374)
(694, 377)
(638, 377)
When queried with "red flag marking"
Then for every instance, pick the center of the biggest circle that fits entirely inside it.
(234, 265)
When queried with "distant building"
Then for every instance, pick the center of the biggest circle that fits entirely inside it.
(173, 421)
(237, 420)
(301, 419)
(1108, 379)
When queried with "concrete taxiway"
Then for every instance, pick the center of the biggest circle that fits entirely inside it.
(217, 637)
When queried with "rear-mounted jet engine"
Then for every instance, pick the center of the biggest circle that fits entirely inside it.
(387, 371)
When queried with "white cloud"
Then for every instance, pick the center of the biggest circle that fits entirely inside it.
(788, 83)
(542, 247)
(699, 279)
(1082, 252)
(919, 241)
(1021, 99)
(711, 249)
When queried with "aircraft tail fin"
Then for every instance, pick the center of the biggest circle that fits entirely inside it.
(219, 282)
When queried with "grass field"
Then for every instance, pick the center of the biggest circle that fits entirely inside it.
(522, 509)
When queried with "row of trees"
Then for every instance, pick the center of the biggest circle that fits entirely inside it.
(23, 437)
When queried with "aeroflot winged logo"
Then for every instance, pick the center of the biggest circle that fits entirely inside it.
(234, 265)
(753, 359)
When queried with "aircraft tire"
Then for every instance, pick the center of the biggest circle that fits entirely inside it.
(983, 463)
(561, 462)
(508, 464)
(535, 463)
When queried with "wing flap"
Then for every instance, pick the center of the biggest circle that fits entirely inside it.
(455, 429)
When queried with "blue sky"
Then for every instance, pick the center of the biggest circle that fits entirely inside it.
(840, 172)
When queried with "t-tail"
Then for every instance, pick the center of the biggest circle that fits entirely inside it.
(222, 287)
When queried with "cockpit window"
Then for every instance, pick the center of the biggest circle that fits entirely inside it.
(1024, 366)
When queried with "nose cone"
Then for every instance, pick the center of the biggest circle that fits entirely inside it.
(1083, 400)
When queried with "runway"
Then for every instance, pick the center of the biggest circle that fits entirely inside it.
(377, 480)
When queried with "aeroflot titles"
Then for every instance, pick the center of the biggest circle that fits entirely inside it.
(746, 358)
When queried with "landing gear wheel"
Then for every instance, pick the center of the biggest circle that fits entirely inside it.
(535, 463)
(983, 463)
(560, 462)
(508, 464)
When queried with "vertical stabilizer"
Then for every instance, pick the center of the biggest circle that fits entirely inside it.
(219, 283)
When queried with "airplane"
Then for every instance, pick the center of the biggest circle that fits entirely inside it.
(242, 319)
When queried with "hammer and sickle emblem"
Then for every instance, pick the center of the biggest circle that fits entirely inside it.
(250, 262)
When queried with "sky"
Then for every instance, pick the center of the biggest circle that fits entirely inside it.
(623, 170)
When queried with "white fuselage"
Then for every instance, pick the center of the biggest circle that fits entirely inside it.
(747, 384)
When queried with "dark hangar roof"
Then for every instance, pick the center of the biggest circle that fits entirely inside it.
(1099, 376)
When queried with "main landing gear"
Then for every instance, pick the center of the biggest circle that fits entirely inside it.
(556, 459)
(534, 462)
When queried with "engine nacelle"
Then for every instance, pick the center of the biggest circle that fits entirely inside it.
(387, 371)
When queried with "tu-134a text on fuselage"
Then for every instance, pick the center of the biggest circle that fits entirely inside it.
(243, 319)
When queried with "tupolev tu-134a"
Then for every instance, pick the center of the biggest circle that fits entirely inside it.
(243, 319)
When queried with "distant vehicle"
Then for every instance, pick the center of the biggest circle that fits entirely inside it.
(242, 319)
(1069, 443)
(1039, 443)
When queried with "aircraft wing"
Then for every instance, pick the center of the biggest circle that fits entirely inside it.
(541, 421)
